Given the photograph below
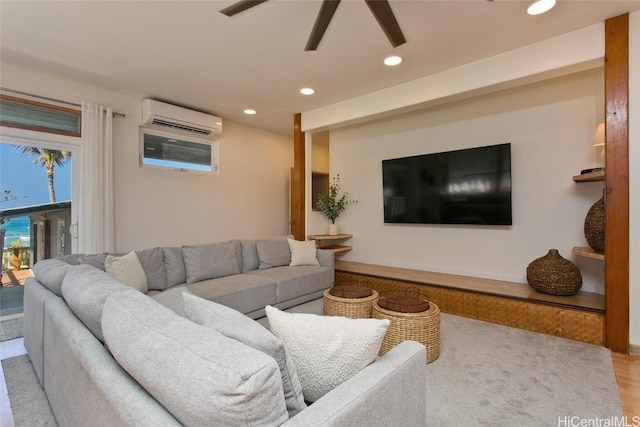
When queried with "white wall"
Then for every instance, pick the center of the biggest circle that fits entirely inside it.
(550, 125)
(161, 207)
(569, 51)
(320, 152)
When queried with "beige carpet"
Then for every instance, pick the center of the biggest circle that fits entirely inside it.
(11, 327)
(493, 375)
(29, 403)
(486, 375)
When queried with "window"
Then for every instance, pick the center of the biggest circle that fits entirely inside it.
(178, 152)
(32, 115)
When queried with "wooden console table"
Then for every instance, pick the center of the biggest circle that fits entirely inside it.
(579, 317)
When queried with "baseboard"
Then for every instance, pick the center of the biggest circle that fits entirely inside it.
(634, 350)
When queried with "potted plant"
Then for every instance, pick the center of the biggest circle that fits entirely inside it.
(332, 203)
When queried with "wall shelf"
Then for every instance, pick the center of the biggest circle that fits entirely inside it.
(587, 252)
(593, 176)
(337, 249)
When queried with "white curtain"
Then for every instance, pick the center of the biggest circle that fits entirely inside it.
(95, 204)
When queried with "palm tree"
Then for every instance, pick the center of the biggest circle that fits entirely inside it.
(49, 159)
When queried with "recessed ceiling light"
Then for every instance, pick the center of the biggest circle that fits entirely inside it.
(307, 91)
(392, 60)
(250, 111)
(540, 6)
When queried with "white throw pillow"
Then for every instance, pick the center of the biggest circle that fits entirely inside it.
(302, 253)
(128, 270)
(326, 350)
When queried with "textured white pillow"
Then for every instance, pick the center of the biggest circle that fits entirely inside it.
(326, 350)
(302, 253)
(128, 270)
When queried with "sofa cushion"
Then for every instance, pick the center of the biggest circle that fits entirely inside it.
(242, 292)
(51, 272)
(172, 298)
(302, 253)
(95, 260)
(327, 350)
(294, 282)
(174, 266)
(249, 255)
(199, 375)
(128, 270)
(233, 324)
(273, 253)
(153, 264)
(211, 260)
(85, 289)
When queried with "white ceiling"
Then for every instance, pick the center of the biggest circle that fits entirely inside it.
(186, 52)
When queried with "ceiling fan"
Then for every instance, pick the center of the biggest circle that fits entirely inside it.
(380, 9)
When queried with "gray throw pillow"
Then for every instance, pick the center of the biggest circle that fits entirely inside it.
(273, 252)
(249, 255)
(233, 324)
(199, 375)
(174, 266)
(153, 265)
(212, 260)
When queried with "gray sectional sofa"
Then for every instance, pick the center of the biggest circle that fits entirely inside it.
(64, 311)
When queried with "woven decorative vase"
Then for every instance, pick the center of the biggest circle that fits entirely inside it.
(554, 275)
(594, 226)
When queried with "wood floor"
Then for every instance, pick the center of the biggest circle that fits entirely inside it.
(628, 375)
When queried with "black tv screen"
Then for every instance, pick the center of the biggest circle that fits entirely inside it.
(471, 186)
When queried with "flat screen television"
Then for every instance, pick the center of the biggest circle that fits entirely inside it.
(470, 186)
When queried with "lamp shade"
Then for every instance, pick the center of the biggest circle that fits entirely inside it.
(598, 137)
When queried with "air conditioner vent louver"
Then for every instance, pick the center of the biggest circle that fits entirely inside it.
(171, 117)
(161, 122)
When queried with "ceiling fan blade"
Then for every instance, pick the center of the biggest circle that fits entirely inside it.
(327, 10)
(387, 20)
(240, 6)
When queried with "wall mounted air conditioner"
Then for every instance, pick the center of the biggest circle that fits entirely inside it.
(166, 116)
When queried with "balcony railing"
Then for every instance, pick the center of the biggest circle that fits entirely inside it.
(16, 258)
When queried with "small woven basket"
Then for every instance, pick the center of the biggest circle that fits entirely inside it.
(594, 226)
(410, 291)
(353, 308)
(554, 275)
(423, 327)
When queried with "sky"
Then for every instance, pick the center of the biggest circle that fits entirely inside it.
(28, 181)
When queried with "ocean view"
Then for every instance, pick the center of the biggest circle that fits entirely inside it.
(16, 228)
(24, 183)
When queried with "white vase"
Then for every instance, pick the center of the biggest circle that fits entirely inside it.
(333, 229)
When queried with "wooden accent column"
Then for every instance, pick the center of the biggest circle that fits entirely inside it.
(298, 227)
(616, 88)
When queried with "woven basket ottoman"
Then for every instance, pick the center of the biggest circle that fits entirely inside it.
(423, 327)
(353, 308)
